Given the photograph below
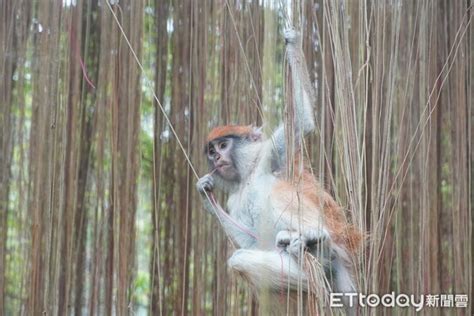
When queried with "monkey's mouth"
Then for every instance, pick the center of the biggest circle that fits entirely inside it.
(223, 166)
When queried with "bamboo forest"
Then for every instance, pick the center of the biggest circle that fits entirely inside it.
(105, 111)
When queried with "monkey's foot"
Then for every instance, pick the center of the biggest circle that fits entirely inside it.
(312, 240)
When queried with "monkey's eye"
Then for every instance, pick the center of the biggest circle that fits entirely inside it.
(212, 151)
(223, 145)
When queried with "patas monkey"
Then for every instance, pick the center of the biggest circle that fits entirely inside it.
(272, 219)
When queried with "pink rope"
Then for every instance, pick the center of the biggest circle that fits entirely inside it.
(84, 71)
(233, 221)
(75, 48)
(282, 276)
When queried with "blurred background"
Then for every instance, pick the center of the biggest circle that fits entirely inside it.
(98, 210)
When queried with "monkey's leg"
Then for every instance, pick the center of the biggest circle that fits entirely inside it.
(339, 272)
(334, 259)
(274, 270)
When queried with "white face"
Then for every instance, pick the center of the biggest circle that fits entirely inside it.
(220, 154)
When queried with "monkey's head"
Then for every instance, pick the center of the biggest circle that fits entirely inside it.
(226, 150)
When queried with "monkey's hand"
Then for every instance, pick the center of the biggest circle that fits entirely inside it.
(315, 241)
(205, 184)
(292, 37)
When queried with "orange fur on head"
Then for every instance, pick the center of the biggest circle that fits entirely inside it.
(227, 130)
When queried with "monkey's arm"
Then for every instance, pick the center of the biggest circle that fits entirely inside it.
(303, 92)
(239, 233)
(303, 98)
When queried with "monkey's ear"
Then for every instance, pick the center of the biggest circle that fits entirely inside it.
(256, 134)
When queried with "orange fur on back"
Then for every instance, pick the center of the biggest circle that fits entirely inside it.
(315, 203)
